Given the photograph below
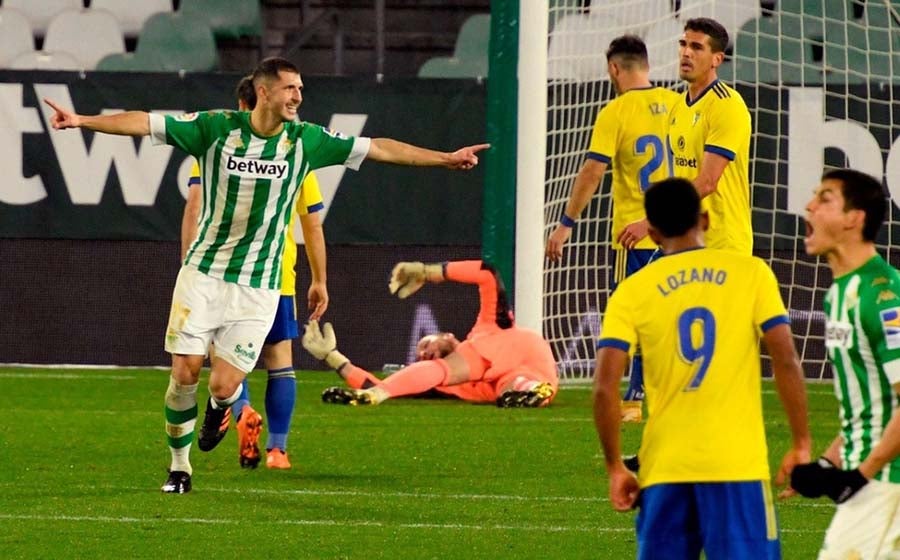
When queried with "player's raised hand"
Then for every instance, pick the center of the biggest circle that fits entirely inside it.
(556, 241)
(407, 278)
(317, 342)
(61, 118)
(466, 158)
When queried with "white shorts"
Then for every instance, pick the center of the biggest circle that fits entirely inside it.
(867, 526)
(235, 318)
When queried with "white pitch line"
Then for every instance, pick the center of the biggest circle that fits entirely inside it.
(48, 375)
(347, 523)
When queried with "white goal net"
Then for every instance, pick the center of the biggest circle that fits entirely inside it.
(817, 76)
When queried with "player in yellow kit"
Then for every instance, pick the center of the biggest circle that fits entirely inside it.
(709, 136)
(697, 313)
(630, 134)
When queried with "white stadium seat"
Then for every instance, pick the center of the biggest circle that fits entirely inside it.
(40, 12)
(15, 35)
(88, 35)
(43, 60)
(132, 14)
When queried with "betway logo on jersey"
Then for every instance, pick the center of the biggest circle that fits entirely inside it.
(256, 169)
(838, 334)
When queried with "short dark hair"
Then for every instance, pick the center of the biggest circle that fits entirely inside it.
(862, 192)
(718, 35)
(268, 68)
(673, 206)
(246, 92)
(630, 49)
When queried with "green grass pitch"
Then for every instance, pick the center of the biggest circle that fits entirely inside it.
(84, 455)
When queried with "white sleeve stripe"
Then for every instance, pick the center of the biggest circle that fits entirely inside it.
(892, 370)
(157, 129)
(358, 153)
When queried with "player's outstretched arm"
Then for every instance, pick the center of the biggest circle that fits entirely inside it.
(623, 486)
(586, 184)
(792, 391)
(129, 123)
(393, 151)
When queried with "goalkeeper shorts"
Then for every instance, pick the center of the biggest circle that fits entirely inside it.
(233, 317)
(734, 520)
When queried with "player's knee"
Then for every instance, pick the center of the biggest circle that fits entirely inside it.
(186, 369)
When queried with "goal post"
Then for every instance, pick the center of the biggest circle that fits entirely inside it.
(819, 80)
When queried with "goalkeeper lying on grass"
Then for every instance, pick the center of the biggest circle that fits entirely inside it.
(497, 362)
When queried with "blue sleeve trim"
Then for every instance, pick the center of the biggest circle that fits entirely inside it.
(315, 207)
(193, 181)
(718, 150)
(774, 322)
(616, 343)
(599, 157)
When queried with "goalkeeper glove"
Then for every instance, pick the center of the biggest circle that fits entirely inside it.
(408, 277)
(322, 344)
(822, 477)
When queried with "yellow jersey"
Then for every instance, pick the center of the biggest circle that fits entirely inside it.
(717, 122)
(697, 316)
(630, 133)
(309, 201)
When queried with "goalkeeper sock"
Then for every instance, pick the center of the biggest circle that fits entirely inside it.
(416, 378)
(281, 394)
(243, 400)
(219, 404)
(358, 378)
(635, 390)
(181, 415)
(523, 384)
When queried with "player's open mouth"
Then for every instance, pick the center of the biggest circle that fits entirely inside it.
(809, 229)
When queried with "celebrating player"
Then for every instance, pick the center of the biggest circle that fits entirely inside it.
(227, 292)
(630, 130)
(709, 135)
(277, 352)
(860, 470)
(497, 362)
(704, 474)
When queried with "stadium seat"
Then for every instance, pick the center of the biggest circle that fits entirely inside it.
(130, 62)
(227, 18)
(778, 49)
(662, 48)
(474, 38)
(452, 67)
(733, 14)
(635, 16)
(44, 60)
(561, 8)
(15, 35)
(40, 12)
(132, 14)
(88, 35)
(577, 49)
(470, 56)
(177, 42)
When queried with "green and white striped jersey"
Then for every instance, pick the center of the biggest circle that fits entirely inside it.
(249, 185)
(862, 337)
